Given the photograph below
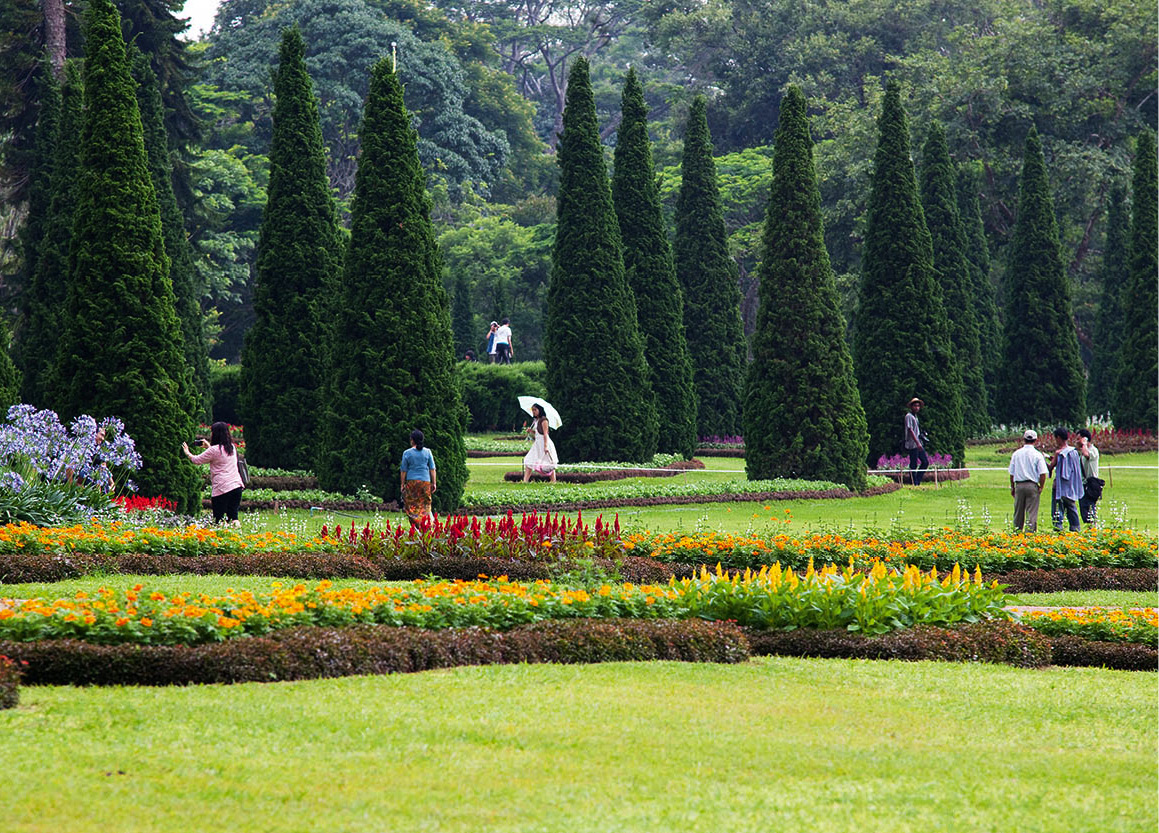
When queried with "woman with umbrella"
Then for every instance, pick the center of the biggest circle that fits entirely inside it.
(541, 457)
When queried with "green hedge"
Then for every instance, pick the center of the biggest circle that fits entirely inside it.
(491, 391)
(225, 383)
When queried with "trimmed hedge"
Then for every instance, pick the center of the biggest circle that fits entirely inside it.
(314, 653)
(991, 641)
(595, 476)
(720, 452)
(9, 682)
(491, 391)
(1079, 578)
(225, 385)
(1123, 656)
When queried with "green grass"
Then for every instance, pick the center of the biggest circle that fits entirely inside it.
(1086, 598)
(1130, 499)
(773, 744)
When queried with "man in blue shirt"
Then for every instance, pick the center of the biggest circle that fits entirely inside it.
(1068, 482)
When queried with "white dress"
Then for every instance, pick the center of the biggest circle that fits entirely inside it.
(538, 459)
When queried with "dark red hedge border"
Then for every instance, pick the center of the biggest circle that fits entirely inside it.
(931, 476)
(720, 452)
(20, 568)
(1122, 656)
(9, 682)
(313, 653)
(670, 470)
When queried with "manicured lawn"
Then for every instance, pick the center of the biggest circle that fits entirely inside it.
(1130, 498)
(1086, 598)
(773, 744)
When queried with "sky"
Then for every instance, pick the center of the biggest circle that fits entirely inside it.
(200, 14)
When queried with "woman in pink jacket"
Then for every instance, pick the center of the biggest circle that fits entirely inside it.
(224, 479)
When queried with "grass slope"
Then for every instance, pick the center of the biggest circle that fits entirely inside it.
(773, 744)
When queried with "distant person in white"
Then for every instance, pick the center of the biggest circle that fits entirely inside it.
(1027, 477)
(504, 351)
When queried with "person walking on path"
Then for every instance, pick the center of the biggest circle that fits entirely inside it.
(225, 485)
(1027, 477)
(504, 349)
(1092, 485)
(541, 457)
(1068, 482)
(915, 443)
(491, 341)
(417, 479)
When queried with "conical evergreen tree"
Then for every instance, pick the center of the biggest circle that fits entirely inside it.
(40, 166)
(802, 413)
(901, 342)
(708, 276)
(1136, 395)
(392, 361)
(42, 302)
(9, 375)
(952, 271)
(462, 317)
(652, 276)
(182, 272)
(120, 350)
(1042, 374)
(299, 258)
(985, 307)
(1115, 274)
(597, 377)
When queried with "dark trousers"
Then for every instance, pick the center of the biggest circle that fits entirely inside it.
(503, 353)
(1067, 506)
(1087, 509)
(918, 455)
(226, 505)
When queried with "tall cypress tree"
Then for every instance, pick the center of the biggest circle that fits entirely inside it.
(40, 166)
(182, 272)
(901, 342)
(298, 262)
(1115, 275)
(708, 275)
(1042, 374)
(120, 350)
(43, 299)
(597, 377)
(1135, 396)
(985, 307)
(952, 271)
(392, 360)
(652, 276)
(9, 375)
(802, 413)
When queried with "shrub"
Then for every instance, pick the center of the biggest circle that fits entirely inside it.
(313, 653)
(491, 391)
(225, 383)
(991, 641)
(1124, 656)
(1081, 578)
(1139, 626)
(10, 682)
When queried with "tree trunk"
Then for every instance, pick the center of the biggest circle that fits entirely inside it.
(54, 35)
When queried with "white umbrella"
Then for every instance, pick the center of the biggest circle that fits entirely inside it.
(553, 420)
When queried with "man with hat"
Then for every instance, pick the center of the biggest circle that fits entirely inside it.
(1027, 478)
(914, 443)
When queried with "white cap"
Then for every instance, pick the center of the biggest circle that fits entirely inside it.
(1030, 436)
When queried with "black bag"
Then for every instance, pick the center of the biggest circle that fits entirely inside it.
(1093, 486)
(242, 469)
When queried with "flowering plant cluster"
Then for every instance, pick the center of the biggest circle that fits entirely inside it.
(533, 536)
(876, 602)
(35, 441)
(119, 537)
(901, 462)
(995, 552)
(1138, 625)
(721, 442)
(140, 503)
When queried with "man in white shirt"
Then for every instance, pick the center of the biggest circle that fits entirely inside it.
(1027, 477)
(504, 350)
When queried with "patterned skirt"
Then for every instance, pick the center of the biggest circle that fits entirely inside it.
(416, 496)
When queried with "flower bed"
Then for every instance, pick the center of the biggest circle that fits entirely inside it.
(312, 653)
(703, 451)
(993, 552)
(568, 474)
(1107, 441)
(874, 602)
(119, 537)
(10, 681)
(1136, 625)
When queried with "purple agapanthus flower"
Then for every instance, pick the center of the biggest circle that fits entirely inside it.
(35, 442)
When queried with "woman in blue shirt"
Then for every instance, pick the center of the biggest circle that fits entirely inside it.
(417, 473)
